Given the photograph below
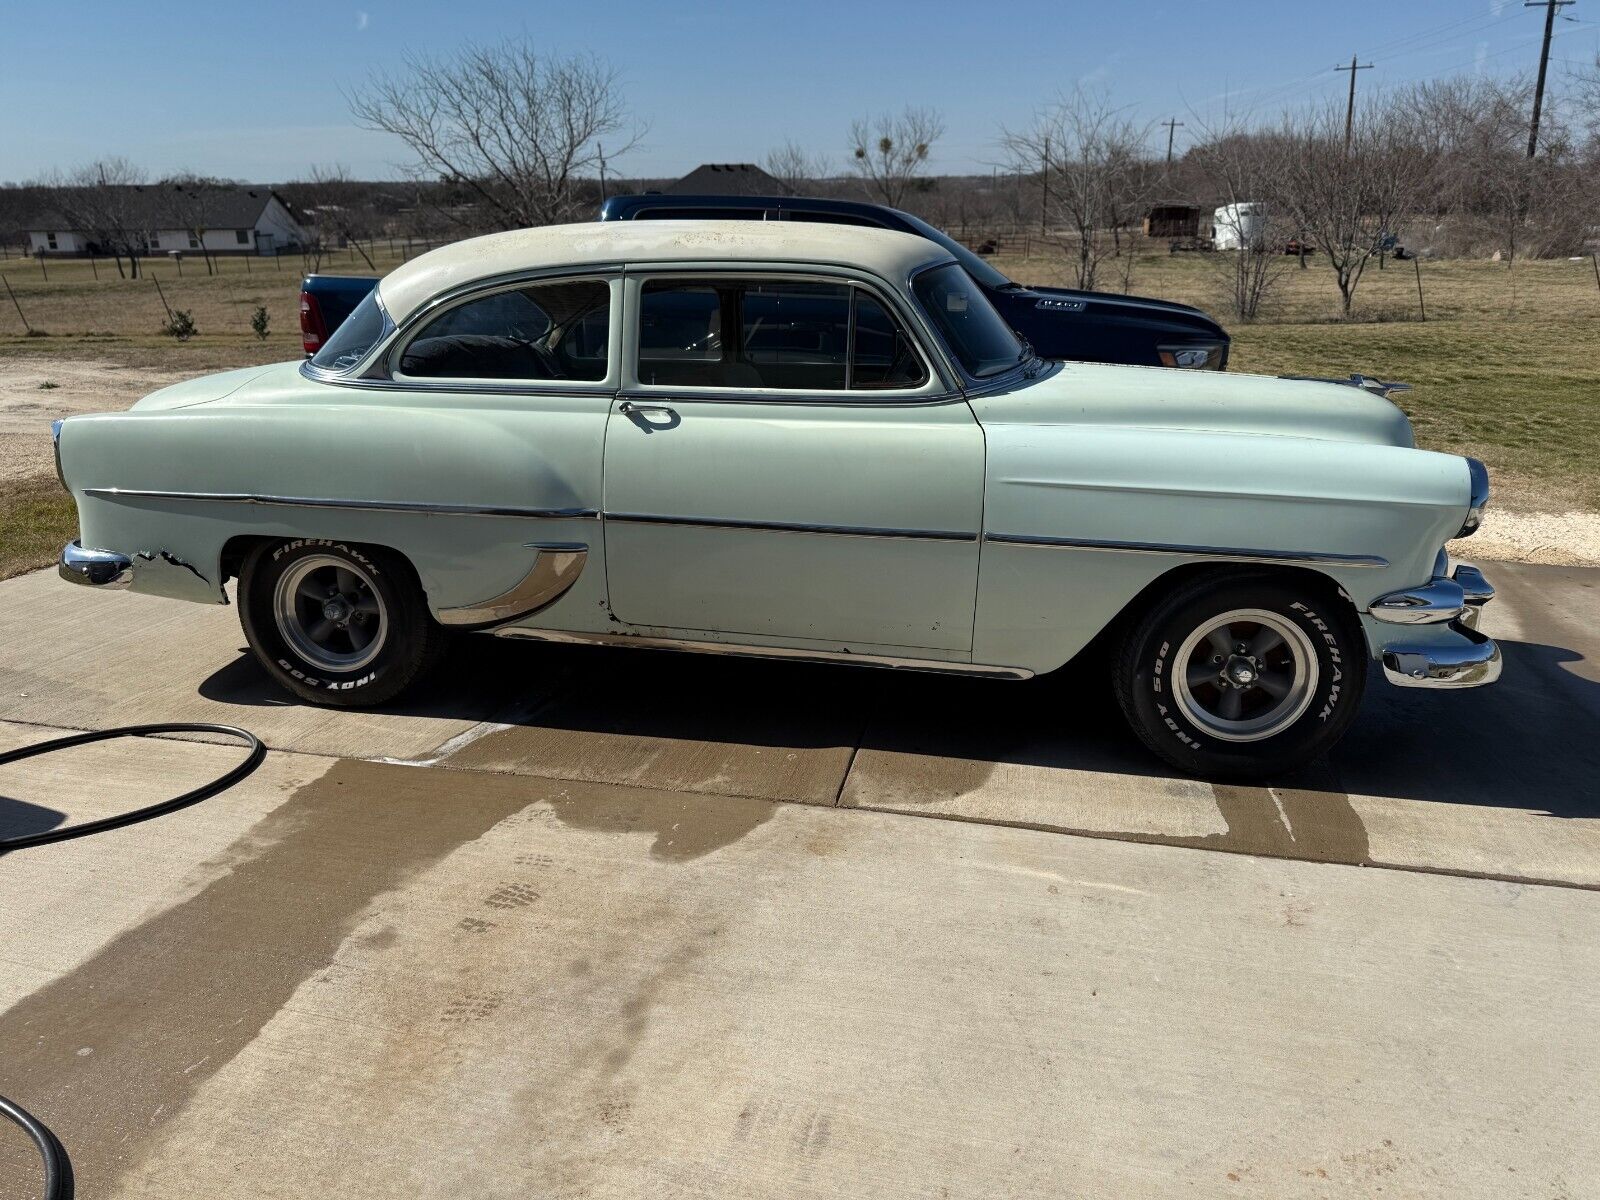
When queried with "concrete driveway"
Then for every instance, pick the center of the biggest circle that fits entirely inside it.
(626, 924)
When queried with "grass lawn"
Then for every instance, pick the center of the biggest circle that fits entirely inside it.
(37, 518)
(1504, 368)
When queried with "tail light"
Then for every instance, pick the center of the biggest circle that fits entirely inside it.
(313, 329)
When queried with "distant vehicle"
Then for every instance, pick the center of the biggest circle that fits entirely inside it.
(325, 301)
(1059, 323)
(1239, 226)
(793, 440)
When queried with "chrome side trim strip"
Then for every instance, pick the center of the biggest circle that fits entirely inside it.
(917, 535)
(1314, 557)
(786, 653)
(556, 567)
(402, 506)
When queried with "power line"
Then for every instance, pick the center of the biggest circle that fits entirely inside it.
(1350, 107)
(1550, 7)
(1172, 126)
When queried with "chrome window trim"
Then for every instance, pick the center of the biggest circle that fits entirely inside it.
(942, 385)
(399, 506)
(970, 383)
(606, 384)
(1310, 557)
(859, 531)
(362, 365)
(936, 666)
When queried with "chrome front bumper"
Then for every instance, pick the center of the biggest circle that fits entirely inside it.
(95, 568)
(1466, 659)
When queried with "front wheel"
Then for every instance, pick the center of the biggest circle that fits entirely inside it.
(1241, 676)
(337, 623)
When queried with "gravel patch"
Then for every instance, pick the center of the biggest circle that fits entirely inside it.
(1563, 539)
(27, 406)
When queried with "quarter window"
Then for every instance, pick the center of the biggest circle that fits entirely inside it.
(545, 331)
(771, 334)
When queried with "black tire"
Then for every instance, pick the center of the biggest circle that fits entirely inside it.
(392, 611)
(1190, 727)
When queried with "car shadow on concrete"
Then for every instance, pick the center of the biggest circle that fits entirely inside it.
(20, 818)
(708, 725)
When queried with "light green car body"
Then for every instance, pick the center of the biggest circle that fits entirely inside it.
(991, 526)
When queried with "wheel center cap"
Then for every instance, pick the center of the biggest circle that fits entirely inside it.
(336, 609)
(1240, 671)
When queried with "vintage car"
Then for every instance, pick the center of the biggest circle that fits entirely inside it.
(798, 441)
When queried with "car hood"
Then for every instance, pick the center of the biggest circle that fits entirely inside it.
(1137, 307)
(1161, 398)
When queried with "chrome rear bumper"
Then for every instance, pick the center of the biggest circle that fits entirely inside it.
(1465, 659)
(95, 568)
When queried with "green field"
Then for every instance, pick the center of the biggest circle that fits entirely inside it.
(1504, 368)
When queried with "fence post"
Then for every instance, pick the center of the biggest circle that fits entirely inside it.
(1423, 308)
(163, 296)
(13, 296)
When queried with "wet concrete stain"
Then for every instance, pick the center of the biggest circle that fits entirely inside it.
(684, 827)
(165, 1006)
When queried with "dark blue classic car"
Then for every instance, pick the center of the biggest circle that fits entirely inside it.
(1059, 322)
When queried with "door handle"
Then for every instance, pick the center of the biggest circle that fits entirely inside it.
(630, 409)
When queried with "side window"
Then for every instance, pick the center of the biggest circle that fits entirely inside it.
(771, 334)
(544, 331)
(883, 356)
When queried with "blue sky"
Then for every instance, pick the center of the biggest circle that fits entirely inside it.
(226, 89)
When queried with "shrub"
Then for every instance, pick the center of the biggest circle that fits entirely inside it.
(180, 324)
(259, 321)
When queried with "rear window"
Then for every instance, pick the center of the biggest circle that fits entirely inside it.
(359, 333)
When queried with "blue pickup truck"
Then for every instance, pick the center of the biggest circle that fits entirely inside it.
(325, 301)
(1058, 322)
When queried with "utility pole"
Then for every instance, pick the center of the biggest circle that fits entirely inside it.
(1172, 127)
(1044, 204)
(1549, 7)
(600, 152)
(1350, 105)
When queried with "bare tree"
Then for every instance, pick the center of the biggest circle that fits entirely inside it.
(796, 168)
(1349, 198)
(339, 205)
(104, 201)
(1242, 170)
(889, 152)
(1091, 163)
(189, 202)
(517, 129)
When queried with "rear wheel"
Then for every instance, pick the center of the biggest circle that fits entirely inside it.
(337, 623)
(1243, 675)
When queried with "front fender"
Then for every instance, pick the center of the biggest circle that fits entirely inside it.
(1080, 519)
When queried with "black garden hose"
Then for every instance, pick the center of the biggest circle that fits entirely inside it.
(204, 792)
(57, 1167)
(58, 1184)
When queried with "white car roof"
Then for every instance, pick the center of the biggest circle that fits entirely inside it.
(883, 252)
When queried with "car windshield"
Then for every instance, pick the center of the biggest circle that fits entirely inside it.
(986, 275)
(980, 340)
(350, 342)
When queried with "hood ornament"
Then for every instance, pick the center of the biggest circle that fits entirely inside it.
(1377, 387)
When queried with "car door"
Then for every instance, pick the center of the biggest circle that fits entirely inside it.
(785, 463)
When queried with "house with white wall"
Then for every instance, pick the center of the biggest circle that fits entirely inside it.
(228, 219)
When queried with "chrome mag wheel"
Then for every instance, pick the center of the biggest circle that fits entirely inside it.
(330, 613)
(1245, 675)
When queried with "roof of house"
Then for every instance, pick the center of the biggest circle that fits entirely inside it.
(726, 179)
(164, 205)
(883, 252)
